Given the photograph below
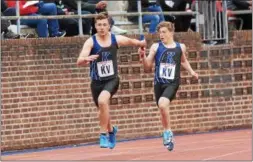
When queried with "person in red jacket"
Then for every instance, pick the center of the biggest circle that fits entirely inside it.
(45, 27)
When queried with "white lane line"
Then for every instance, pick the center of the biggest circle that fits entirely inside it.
(232, 153)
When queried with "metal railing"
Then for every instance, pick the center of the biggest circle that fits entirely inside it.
(209, 31)
(94, 15)
(80, 16)
(241, 12)
(215, 24)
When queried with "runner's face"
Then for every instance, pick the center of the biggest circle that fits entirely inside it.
(165, 34)
(102, 27)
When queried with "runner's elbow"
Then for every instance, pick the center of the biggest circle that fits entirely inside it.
(79, 62)
(147, 69)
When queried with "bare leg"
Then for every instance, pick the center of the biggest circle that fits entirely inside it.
(104, 116)
(163, 105)
(109, 125)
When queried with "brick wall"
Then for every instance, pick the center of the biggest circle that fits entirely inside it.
(46, 100)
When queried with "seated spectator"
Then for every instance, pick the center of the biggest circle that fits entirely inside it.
(154, 20)
(242, 5)
(5, 32)
(182, 23)
(42, 25)
(93, 6)
(6, 11)
(3, 6)
(71, 25)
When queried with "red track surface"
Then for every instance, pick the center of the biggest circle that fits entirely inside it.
(230, 145)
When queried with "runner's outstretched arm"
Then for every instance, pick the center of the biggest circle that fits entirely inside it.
(84, 57)
(185, 63)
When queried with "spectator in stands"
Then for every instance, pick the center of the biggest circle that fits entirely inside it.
(242, 5)
(71, 25)
(8, 11)
(42, 25)
(93, 6)
(182, 23)
(147, 6)
(3, 6)
(5, 32)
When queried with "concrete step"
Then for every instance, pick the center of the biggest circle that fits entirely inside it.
(131, 27)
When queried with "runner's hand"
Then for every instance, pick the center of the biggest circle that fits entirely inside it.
(195, 75)
(143, 43)
(142, 52)
(86, 60)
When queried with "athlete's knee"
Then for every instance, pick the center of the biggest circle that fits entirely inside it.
(103, 99)
(102, 102)
(163, 103)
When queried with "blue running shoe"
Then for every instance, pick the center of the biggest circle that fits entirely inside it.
(103, 141)
(112, 138)
(165, 137)
(170, 146)
(168, 140)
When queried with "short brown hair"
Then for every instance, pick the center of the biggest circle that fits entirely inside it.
(170, 26)
(101, 16)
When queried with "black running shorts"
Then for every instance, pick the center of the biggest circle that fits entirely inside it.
(97, 87)
(167, 90)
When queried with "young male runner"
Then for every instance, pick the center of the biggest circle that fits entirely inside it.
(168, 56)
(100, 51)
